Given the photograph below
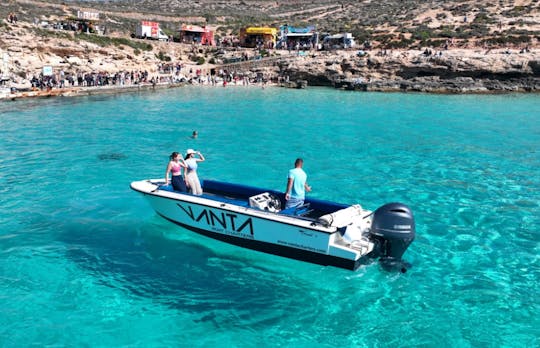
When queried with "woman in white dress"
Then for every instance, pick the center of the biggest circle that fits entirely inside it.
(192, 180)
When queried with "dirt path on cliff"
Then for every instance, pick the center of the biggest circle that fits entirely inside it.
(131, 15)
(325, 9)
(325, 14)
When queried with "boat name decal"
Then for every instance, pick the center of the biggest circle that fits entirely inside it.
(402, 227)
(220, 221)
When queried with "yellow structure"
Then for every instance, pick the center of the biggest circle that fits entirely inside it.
(258, 37)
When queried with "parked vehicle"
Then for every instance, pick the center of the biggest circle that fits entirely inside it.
(150, 30)
(338, 41)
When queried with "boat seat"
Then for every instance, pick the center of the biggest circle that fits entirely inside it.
(168, 188)
(302, 210)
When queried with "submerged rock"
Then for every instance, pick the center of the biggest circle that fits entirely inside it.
(112, 156)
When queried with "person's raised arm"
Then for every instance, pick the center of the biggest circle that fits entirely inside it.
(201, 157)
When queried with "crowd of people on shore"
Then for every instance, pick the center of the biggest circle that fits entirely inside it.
(171, 73)
(63, 79)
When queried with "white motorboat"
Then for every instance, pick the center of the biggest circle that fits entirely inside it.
(319, 231)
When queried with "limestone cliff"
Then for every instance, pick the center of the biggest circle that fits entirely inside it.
(447, 71)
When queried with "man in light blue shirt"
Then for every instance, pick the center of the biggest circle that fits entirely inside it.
(296, 185)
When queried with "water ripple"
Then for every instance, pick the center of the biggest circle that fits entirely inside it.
(83, 259)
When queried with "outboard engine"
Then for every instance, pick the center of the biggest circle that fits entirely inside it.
(393, 225)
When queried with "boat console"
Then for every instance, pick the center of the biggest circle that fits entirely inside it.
(265, 201)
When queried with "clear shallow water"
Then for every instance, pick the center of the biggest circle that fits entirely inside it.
(84, 261)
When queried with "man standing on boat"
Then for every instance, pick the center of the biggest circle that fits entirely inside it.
(296, 185)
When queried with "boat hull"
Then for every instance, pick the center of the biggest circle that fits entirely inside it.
(279, 250)
(254, 229)
(320, 232)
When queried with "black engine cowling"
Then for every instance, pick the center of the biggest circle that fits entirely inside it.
(393, 224)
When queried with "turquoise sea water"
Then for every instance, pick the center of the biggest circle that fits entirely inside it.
(85, 262)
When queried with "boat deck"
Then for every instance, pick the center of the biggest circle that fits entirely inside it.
(239, 195)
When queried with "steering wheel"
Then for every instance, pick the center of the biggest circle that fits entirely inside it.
(274, 204)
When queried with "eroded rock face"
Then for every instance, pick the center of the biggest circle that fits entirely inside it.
(452, 72)
(535, 67)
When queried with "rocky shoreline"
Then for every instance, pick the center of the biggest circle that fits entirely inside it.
(453, 71)
(434, 48)
(449, 72)
(435, 84)
(87, 91)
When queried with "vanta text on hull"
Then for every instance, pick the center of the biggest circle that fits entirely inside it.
(321, 232)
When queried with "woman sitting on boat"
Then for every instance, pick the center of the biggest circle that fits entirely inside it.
(175, 166)
(192, 180)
